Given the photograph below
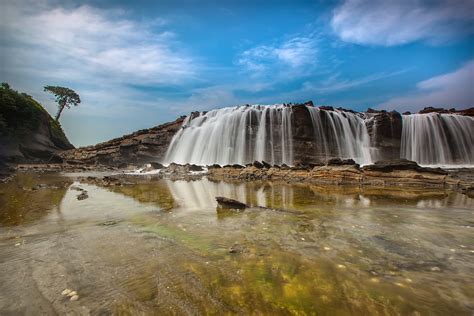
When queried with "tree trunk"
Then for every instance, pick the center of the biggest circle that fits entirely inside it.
(60, 109)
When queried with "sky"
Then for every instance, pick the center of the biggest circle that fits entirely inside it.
(137, 64)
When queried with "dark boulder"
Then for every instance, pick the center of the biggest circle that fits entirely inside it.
(400, 164)
(230, 203)
(340, 162)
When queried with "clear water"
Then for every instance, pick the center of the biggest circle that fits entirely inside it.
(160, 247)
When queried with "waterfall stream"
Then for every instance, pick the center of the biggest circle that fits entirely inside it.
(341, 134)
(243, 134)
(438, 139)
(235, 135)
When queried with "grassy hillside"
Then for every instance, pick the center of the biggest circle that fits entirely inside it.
(20, 114)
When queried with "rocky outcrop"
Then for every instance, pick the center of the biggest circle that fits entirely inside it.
(385, 130)
(28, 133)
(467, 112)
(383, 174)
(144, 146)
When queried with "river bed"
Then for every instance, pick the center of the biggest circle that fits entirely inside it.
(157, 246)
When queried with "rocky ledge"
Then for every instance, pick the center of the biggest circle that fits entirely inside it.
(340, 172)
(140, 147)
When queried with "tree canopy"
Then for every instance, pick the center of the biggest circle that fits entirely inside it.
(65, 97)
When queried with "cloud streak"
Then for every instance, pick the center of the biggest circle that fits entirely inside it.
(291, 56)
(388, 23)
(449, 90)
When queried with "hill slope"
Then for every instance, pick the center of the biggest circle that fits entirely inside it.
(27, 132)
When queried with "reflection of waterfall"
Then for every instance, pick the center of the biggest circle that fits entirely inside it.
(341, 134)
(235, 135)
(201, 194)
(438, 139)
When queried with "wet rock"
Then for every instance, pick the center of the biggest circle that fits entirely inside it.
(400, 164)
(76, 188)
(156, 165)
(257, 164)
(66, 292)
(214, 166)
(340, 162)
(82, 196)
(236, 248)
(109, 222)
(230, 203)
(195, 168)
(266, 165)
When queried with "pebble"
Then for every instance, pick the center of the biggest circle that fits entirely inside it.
(341, 266)
(72, 293)
(435, 269)
(327, 248)
(66, 292)
(74, 298)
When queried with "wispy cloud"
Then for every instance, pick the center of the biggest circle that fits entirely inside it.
(449, 90)
(335, 83)
(385, 22)
(289, 56)
(89, 41)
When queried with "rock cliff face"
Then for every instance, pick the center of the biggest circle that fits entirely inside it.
(143, 146)
(27, 132)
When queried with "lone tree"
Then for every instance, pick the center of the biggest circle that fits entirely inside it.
(65, 98)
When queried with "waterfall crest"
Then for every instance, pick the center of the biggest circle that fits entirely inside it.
(341, 134)
(438, 139)
(235, 135)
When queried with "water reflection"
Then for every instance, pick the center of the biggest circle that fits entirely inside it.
(344, 250)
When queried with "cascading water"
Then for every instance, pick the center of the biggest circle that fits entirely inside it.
(341, 134)
(438, 139)
(235, 135)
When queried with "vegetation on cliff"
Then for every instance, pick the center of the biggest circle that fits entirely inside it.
(25, 125)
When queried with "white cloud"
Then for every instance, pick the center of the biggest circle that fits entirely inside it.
(387, 22)
(293, 54)
(89, 41)
(454, 89)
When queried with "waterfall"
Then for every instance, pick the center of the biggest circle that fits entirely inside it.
(235, 135)
(438, 139)
(341, 134)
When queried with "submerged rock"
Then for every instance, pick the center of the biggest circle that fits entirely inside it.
(230, 203)
(82, 196)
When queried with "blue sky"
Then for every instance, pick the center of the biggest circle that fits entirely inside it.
(140, 63)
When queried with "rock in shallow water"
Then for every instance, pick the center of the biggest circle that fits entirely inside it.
(230, 203)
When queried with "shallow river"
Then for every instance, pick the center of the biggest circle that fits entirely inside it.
(160, 247)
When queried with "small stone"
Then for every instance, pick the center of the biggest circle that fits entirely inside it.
(74, 298)
(327, 248)
(399, 284)
(302, 239)
(17, 244)
(341, 266)
(435, 269)
(374, 280)
(66, 292)
(72, 293)
(452, 250)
